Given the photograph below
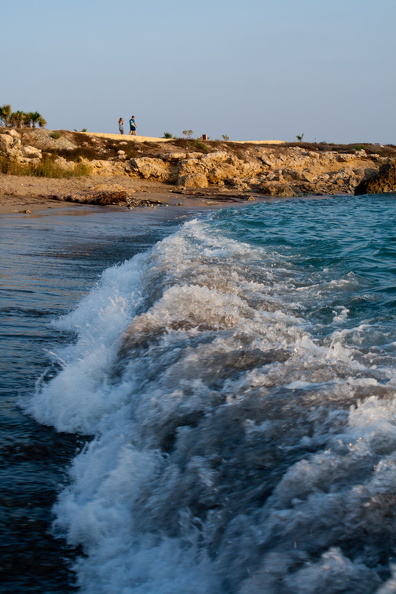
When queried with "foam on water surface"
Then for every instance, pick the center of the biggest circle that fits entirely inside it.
(240, 397)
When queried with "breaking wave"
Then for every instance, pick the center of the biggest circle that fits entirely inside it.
(238, 384)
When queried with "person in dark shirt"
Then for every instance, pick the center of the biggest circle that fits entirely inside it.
(132, 126)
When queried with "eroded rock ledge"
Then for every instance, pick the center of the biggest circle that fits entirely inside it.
(382, 181)
(272, 170)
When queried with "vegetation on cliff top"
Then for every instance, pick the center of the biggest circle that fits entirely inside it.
(21, 119)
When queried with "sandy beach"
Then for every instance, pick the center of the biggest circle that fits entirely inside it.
(27, 195)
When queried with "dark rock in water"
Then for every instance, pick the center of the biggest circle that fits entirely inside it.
(383, 181)
(102, 198)
(106, 198)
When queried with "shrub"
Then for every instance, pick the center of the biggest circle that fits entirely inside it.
(168, 135)
(200, 145)
(45, 168)
(55, 135)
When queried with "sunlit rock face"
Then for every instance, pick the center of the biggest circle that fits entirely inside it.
(270, 169)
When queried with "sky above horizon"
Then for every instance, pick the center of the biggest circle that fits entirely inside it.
(252, 70)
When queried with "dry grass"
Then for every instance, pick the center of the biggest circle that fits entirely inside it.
(45, 168)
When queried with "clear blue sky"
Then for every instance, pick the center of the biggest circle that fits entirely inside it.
(251, 69)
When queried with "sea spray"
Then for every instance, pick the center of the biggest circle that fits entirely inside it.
(238, 384)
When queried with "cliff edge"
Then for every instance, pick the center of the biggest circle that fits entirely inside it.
(267, 168)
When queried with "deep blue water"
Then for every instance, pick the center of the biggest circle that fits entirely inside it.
(232, 378)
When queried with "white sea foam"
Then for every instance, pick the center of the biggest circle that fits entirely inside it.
(234, 449)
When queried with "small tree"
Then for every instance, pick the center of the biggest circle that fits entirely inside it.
(27, 119)
(168, 135)
(225, 137)
(16, 119)
(5, 114)
(35, 118)
(300, 137)
(188, 133)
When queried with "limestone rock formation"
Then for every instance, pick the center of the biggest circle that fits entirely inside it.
(31, 152)
(273, 170)
(193, 180)
(104, 167)
(291, 171)
(382, 181)
(150, 168)
(11, 146)
(273, 188)
(190, 166)
(8, 143)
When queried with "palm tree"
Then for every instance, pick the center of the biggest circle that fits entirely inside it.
(16, 119)
(5, 114)
(12, 120)
(27, 119)
(35, 116)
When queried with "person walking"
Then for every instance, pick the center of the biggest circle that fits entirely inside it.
(132, 126)
(121, 125)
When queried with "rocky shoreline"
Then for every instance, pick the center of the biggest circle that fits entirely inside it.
(123, 170)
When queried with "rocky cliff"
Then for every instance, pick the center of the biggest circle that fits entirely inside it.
(381, 181)
(273, 170)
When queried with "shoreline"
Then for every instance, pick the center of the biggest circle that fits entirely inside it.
(28, 195)
(132, 171)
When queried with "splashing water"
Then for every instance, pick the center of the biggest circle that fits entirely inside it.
(238, 383)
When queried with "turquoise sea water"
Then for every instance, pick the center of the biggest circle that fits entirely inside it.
(237, 384)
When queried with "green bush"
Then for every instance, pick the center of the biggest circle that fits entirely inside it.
(200, 145)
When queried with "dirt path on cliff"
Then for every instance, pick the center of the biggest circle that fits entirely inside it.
(152, 139)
